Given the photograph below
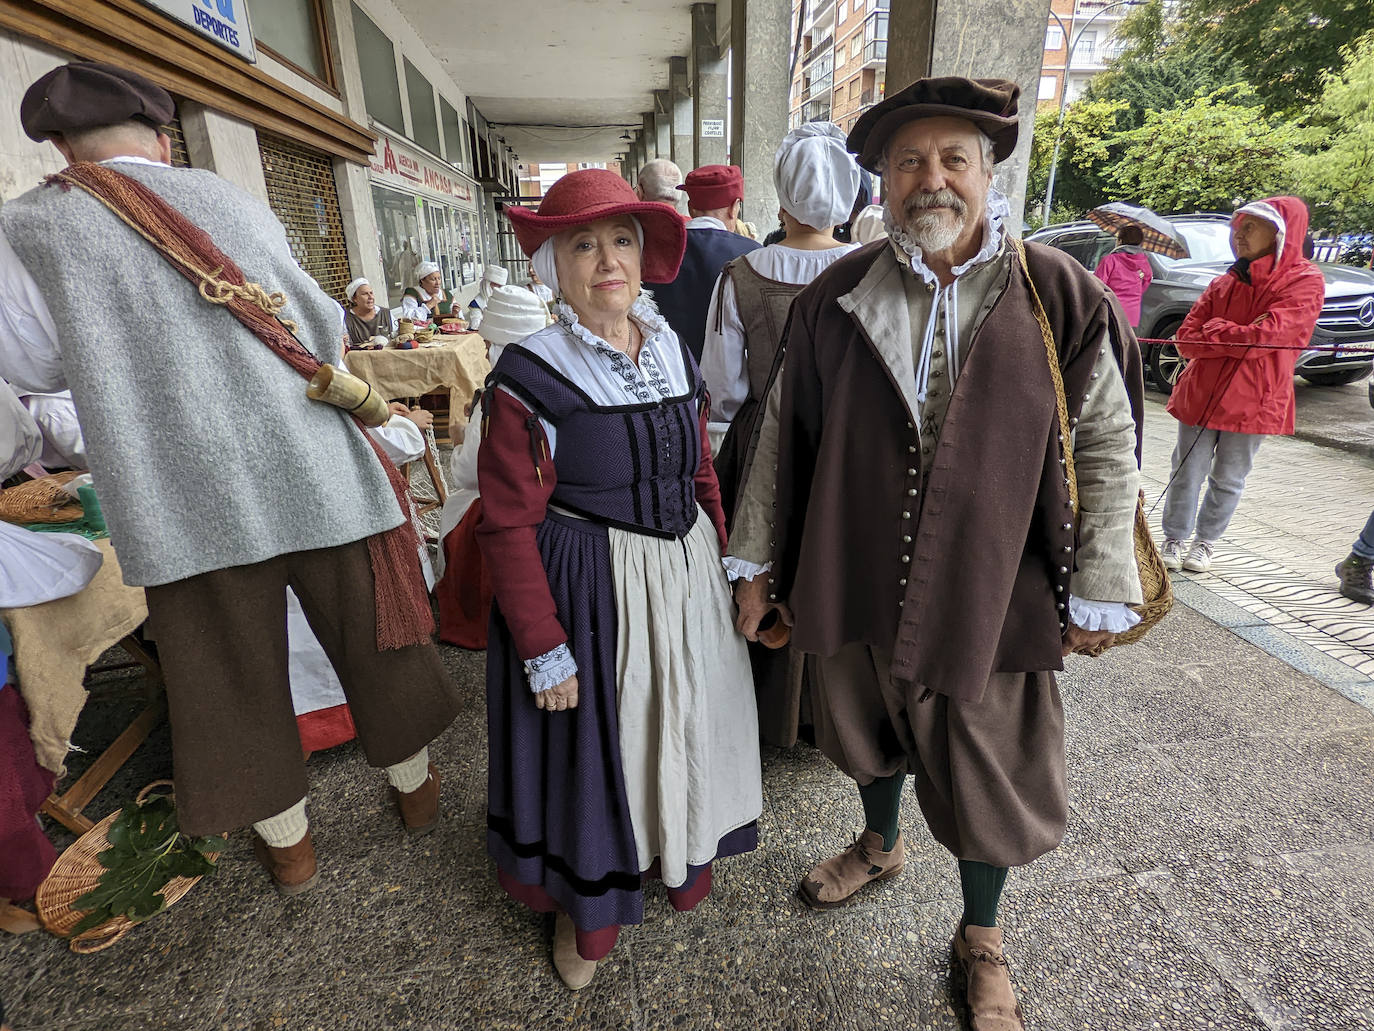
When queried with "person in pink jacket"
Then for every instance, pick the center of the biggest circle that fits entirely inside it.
(1127, 271)
(1242, 339)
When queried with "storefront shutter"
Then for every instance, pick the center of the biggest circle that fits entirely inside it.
(301, 191)
(180, 157)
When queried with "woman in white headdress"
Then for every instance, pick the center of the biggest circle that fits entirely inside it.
(363, 318)
(817, 180)
(464, 589)
(427, 299)
(493, 278)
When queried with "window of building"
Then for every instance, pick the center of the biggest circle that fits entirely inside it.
(854, 85)
(1047, 85)
(1054, 38)
(858, 6)
(856, 45)
(377, 61)
(423, 119)
(1085, 49)
(292, 30)
(453, 133)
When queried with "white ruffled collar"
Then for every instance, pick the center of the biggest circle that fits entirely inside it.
(644, 312)
(909, 254)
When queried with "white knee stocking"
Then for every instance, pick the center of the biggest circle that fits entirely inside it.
(284, 829)
(407, 776)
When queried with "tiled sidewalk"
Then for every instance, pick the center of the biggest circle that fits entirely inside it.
(1272, 580)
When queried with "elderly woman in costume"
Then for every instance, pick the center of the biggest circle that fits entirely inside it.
(464, 591)
(363, 319)
(427, 300)
(622, 726)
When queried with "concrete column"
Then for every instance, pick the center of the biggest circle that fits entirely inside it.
(223, 145)
(663, 122)
(1001, 39)
(706, 74)
(354, 185)
(760, 44)
(648, 138)
(681, 114)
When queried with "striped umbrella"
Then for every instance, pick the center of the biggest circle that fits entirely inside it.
(1160, 236)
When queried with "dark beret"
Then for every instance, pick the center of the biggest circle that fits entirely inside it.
(88, 95)
(989, 104)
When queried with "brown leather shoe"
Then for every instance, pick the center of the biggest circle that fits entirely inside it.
(991, 1002)
(293, 868)
(575, 971)
(834, 882)
(420, 808)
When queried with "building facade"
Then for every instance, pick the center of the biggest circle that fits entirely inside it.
(841, 63)
(332, 111)
(1088, 28)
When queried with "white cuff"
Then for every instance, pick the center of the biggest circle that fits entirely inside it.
(1113, 616)
(550, 669)
(743, 569)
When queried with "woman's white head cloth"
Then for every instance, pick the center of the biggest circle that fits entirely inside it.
(542, 258)
(352, 288)
(425, 268)
(815, 176)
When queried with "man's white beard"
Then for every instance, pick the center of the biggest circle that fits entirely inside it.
(935, 231)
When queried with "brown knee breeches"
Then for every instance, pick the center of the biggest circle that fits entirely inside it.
(221, 638)
(989, 775)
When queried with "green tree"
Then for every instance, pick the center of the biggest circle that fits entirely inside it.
(1282, 47)
(1084, 152)
(1339, 176)
(1160, 82)
(1205, 154)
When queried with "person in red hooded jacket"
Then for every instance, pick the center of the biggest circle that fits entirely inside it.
(1242, 339)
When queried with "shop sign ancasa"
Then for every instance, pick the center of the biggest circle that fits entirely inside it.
(224, 21)
(393, 165)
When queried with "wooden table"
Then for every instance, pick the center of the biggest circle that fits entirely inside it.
(455, 363)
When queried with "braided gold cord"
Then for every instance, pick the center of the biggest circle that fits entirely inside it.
(1052, 353)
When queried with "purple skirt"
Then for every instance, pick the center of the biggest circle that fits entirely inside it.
(557, 814)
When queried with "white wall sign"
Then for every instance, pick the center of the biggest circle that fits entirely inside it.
(713, 128)
(398, 166)
(224, 21)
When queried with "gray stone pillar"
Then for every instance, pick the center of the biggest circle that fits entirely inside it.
(649, 138)
(706, 72)
(760, 44)
(223, 145)
(1001, 39)
(663, 122)
(681, 113)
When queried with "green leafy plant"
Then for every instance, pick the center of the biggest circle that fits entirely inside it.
(147, 849)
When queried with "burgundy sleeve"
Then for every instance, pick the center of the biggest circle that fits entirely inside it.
(707, 486)
(515, 495)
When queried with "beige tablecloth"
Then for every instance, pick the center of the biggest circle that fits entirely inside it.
(458, 363)
(56, 641)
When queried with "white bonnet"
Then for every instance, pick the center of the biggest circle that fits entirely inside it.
(816, 177)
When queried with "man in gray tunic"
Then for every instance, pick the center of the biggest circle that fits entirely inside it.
(908, 509)
(221, 483)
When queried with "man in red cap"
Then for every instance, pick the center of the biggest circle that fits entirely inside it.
(910, 499)
(222, 483)
(714, 194)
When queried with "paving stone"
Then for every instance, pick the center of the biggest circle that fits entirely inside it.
(1252, 919)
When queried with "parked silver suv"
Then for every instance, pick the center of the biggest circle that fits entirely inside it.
(1346, 320)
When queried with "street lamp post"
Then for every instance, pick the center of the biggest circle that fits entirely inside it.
(1064, 93)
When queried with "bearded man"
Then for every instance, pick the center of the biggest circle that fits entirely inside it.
(908, 511)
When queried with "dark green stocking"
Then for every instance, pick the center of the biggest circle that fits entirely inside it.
(982, 887)
(883, 807)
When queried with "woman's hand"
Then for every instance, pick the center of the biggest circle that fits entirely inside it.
(559, 697)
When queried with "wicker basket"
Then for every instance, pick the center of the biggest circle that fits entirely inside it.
(40, 501)
(76, 872)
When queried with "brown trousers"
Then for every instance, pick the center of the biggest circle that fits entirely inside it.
(990, 775)
(221, 638)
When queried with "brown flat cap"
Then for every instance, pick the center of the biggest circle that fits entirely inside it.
(989, 104)
(88, 95)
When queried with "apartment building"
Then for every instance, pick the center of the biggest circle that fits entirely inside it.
(841, 64)
(1080, 41)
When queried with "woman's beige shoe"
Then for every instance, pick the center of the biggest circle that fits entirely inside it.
(575, 971)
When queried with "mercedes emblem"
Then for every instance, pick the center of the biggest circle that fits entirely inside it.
(1366, 312)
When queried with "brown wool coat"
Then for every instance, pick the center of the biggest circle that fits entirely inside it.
(979, 591)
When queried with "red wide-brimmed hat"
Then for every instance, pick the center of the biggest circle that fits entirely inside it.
(592, 194)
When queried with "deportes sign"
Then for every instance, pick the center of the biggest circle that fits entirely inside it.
(224, 21)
